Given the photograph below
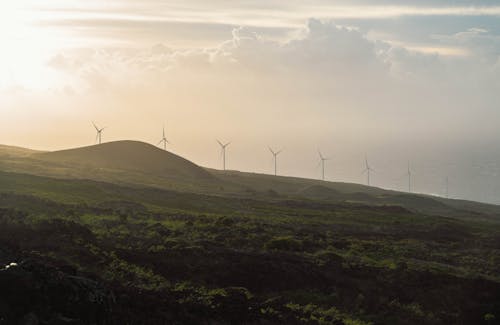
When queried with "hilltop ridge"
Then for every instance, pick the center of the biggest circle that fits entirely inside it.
(15, 151)
(128, 155)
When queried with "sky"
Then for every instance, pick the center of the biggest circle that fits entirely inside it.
(392, 80)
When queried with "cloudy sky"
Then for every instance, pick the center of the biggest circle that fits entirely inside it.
(395, 80)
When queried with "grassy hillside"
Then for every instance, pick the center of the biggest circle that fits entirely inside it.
(157, 256)
(132, 163)
(161, 240)
(317, 190)
(121, 162)
(130, 156)
(289, 186)
(12, 151)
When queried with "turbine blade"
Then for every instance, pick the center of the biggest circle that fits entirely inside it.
(161, 141)
(220, 143)
(95, 126)
(227, 144)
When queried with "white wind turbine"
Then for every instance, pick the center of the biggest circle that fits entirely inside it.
(367, 170)
(98, 137)
(275, 156)
(322, 160)
(447, 188)
(223, 148)
(164, 140)
(409, 178)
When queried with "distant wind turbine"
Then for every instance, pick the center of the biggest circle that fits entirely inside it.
(322, 159)
(367, 170)
(447, 188)
(98, 137)
(275, 156)
(223, 148)
(409, 178)
(164, 140)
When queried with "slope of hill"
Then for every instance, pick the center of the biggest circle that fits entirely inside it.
(140, 164)
(122, 162)
(16, 152)
(316, 190)
(184, 258)
(168, 238)
(129, 155)
(320, 192)
(287, 185)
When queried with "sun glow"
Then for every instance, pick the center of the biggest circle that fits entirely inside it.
(25, 48)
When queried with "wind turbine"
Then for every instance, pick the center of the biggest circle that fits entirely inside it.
(99, 133)
(164, 140)
(323, 159)
(409, 178)
(223, 147)
(367, 170)
(447, 188)
(275, 155)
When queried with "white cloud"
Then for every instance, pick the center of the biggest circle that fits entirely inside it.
(322, 64)
(332, 55)
(483, 44)
(321, 49)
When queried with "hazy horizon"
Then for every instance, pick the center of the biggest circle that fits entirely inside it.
(394, 80)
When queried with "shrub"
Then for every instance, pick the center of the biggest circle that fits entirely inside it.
(285, 243)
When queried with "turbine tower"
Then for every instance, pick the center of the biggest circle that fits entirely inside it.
(367, 170)
(323, 159)
(275, 155)
(164, 140)
(409, 178)
(447, 188)
(98, 137)
(223, 147)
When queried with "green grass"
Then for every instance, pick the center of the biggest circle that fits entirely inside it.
(281, 258)
(140, 165)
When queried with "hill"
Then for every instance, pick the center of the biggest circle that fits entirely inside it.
(13, 152)
(160, 240)
(335, 192)
(130, 156)
(121, 162)
(134, 163)
(320, 192)
(288, 185)
(152, 256)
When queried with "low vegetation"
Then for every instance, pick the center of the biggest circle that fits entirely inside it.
(99, 251)
(286, 262)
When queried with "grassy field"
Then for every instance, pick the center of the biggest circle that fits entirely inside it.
(308, 252)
